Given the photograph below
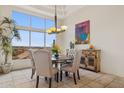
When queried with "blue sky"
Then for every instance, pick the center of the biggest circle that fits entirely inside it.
(37, 39)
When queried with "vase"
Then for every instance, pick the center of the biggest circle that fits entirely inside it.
(56, 56)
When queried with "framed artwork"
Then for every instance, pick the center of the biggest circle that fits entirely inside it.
(82, 33)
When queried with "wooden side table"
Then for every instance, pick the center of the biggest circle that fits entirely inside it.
(92, 59)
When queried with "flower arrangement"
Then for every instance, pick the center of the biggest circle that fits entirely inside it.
(55, 48)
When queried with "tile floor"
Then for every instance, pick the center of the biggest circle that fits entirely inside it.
(21, 79)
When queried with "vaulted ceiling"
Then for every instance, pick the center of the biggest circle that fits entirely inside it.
(49, 10)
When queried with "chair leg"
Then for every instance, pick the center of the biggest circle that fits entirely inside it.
(33, 72)
(60, 75)
(57, 76)
(50, 81)
(37, 82)
(78, 74)
(66, 73)
(45, 78)
(74, 76)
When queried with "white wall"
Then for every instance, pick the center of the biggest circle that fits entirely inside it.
(107, 34)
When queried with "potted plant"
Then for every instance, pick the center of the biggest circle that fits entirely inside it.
(8, 31)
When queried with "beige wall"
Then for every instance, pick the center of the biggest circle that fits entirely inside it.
(5, 11)
(107, 34)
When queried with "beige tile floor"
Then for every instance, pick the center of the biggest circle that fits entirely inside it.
(21, 79)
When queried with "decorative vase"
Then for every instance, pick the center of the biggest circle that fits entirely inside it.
(57, 56)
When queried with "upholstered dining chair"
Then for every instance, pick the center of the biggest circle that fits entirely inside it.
(43, 64)
(32, 61)
(70, 53)
(74, 68)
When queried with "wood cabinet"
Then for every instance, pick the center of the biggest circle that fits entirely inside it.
(91, 59)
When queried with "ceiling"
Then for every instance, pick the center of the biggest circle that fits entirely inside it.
(49, 10)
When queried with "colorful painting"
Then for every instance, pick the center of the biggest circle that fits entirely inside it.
(82, 33)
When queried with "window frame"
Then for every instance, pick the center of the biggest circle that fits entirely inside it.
(32, 29)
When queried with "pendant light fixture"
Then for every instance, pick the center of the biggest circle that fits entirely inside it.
(56, 30)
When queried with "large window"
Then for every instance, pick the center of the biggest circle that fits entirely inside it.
(37, 22)
(37, 39)
(24, 39)
(49, 23)
(49, 39)
(32, 30)
(21, 18)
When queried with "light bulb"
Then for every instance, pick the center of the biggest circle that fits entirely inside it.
(58, 29)
(64, 27)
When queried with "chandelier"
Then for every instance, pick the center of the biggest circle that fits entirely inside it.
(56, 29)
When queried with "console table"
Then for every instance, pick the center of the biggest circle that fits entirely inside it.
(91, 59)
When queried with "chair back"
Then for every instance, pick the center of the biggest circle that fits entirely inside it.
(31, 57)
(43, 63)
(71, 53)
(76, 61)
(49, 49)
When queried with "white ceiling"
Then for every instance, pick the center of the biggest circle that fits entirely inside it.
(49, 10)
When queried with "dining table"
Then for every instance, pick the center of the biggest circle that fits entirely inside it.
(61, 59)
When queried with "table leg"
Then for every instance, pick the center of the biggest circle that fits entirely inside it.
(66, 74)
(56, 65)
(45, 78)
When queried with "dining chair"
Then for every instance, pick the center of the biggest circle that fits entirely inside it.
(43, 64)
(32, 61)
(74, 68)
(70, 53)
(48, 48)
